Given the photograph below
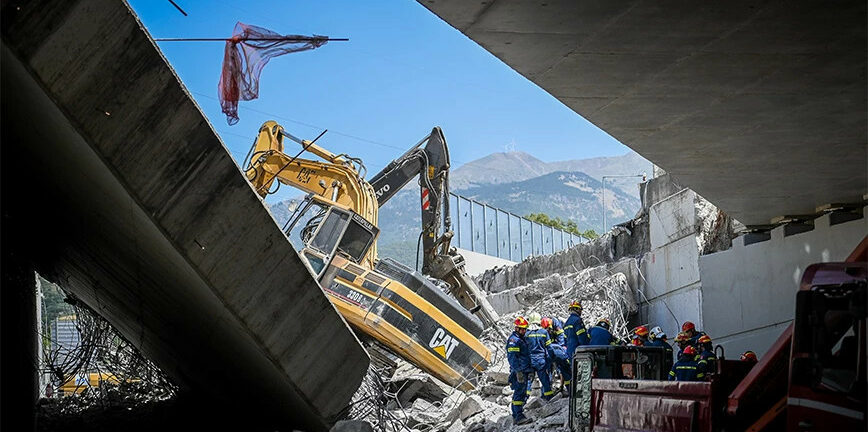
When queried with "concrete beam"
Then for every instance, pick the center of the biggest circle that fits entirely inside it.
(130, 201)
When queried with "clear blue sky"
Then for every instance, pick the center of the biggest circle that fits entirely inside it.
(402, 72)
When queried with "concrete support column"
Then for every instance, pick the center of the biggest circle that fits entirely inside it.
(19, 381)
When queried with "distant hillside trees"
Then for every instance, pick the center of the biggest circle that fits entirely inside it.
(563, 225)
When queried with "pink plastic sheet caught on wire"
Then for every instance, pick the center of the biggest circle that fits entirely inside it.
(246, 53)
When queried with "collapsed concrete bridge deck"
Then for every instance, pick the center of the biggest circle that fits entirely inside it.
(116, 187)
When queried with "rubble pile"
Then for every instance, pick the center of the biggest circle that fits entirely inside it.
(412, 400)
(604, 294)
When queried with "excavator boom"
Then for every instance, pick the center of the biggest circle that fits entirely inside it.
(429, 161)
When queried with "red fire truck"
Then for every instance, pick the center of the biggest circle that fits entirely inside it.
(812, 379)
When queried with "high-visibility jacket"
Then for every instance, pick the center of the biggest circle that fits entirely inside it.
(708, 361)
(687, 369)
(538, 342)
(575, 332)
(600, 336)
(517, 353)
(557, 332)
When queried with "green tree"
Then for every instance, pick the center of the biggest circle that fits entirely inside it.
(558, 223)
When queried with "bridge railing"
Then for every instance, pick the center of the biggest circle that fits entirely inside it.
(482, 228)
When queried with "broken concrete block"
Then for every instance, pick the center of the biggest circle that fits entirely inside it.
(422, 405)
(504, 400)
(553, 421)
(533, 403)
(492, 389)
(470, 406)
(352, 426)
(499, 377)
(553, 407)
(456, 426)
(417, 386)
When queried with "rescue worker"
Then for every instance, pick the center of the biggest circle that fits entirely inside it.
(600, 335)
(692, 334)
(687, 368)
(518, 356)
(640, 336)
(556, 330)
(558, 349)
(749, 356)
(683, 342)
(538, 342)
(658, 338)
(706, 354)
(574, 329)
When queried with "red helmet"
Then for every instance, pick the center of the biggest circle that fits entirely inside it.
(687, 326)
(641, 331)
(520, 322)
(545, 322)
(749, 356)
(704, 339)
(576, 305)
(682, 337)
(636, 342)
(689, 350)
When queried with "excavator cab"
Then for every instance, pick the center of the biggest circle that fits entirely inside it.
(319, 229)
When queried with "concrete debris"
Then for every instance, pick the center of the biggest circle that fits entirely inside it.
(714, 229)
(533, 403)
(553, 407)
(497, 376)
(470, 406)
(352, 426)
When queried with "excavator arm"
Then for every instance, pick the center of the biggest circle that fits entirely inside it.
(429, 161)
(337, 179)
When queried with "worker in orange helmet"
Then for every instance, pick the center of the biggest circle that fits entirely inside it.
(683, 341)
(640, 336)
(706, 354)
(520, 369)
(687, 368)
(692, 334)
(750, 357)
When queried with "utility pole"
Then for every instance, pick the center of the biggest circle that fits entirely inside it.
(605, 225)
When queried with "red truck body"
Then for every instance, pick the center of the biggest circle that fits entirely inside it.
(813, 378)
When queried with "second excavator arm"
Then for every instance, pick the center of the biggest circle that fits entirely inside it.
(429, 161)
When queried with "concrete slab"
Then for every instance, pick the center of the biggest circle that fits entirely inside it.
(749, 291)
(153, 225)
(671, 267)
(758, 106)
(672, 218)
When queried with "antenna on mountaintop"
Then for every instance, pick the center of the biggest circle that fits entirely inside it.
(510, 147)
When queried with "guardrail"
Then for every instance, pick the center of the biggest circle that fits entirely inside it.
(482, 228)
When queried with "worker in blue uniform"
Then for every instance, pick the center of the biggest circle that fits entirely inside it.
(693, 335)
(556, 330)
(600, 334)
(706, 355)
(538, 342)
(687, 368)
(520, 370)
(658, 338)
(574, 329)
(558, 349)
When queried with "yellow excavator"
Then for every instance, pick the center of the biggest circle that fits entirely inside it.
(432, 319)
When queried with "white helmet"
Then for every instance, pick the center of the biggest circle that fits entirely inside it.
(534, 318)
(658, 333)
